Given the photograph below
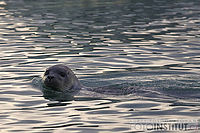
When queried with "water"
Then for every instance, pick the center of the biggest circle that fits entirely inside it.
(150, 47)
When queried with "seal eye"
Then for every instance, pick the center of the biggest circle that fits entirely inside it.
(62, 74)
(47, 72)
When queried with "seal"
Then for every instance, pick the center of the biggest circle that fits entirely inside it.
(61, 78)
(60, 81)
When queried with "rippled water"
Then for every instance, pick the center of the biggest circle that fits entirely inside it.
(150, 47)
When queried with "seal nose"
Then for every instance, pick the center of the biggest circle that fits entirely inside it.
(50, 77)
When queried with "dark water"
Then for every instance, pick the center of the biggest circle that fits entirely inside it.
(150, 47)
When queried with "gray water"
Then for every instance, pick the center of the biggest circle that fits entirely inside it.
(151, 48)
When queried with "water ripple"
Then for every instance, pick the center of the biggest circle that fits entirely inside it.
(151, 47)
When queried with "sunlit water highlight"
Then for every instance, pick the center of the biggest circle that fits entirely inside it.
(140, 59)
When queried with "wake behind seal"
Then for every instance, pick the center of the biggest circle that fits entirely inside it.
(60, 83)
(61, 78)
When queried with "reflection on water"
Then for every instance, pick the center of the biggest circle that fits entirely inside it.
(151, 46)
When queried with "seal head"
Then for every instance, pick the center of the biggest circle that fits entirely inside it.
(61, 78)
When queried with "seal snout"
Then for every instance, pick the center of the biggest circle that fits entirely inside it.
(50, 77)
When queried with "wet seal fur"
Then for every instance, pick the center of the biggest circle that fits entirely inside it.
(61, 78)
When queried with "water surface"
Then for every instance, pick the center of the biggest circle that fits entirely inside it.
(149, 46)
